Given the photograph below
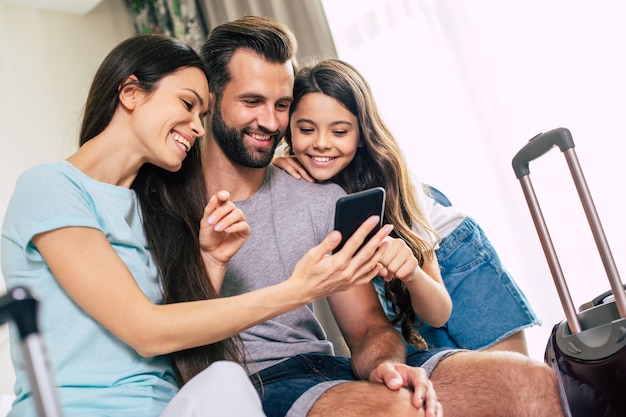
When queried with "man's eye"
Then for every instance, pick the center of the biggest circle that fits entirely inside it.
(188, 104)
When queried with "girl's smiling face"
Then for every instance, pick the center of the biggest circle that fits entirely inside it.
(324, 135)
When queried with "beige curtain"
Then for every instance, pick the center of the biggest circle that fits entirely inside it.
(179, 18)
(306, 18)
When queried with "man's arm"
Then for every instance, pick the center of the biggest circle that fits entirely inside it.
(378, 352)
(369, 334)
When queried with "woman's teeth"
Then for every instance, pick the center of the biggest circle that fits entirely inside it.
(182, 141)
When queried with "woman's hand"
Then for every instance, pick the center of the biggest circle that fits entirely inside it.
(293, 167)
(319, 273)
(223, 231)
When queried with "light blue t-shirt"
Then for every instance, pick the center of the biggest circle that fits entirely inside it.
(96, 374)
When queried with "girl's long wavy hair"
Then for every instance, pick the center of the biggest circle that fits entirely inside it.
(172, 203)
(378, 162)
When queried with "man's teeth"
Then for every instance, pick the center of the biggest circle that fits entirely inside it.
(259, 136)
(182, 141)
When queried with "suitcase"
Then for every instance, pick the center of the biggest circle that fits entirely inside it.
(19, 306)
(587, 350)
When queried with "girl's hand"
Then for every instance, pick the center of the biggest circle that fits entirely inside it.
(223, 230)
(293, 167)
(429, 297)
(398, 261)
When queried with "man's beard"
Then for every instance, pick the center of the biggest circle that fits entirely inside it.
(230, 140)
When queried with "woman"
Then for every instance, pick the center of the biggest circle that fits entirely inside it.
(124, 212)
(337, 134)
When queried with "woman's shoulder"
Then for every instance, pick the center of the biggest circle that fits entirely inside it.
(45, 172)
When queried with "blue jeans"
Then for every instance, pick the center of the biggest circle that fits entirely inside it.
(291, 387)
(487, 304)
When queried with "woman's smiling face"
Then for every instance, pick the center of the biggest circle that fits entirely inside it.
(324, 135)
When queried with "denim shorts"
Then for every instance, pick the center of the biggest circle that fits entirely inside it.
(291, 387)
(487, 304)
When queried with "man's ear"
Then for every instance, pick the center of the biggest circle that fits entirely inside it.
(128, 92)
(211, 103)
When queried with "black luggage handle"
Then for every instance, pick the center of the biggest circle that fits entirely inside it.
(539, 145)
(21, 307)
(536, 147)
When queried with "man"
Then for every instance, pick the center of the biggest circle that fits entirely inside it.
(251, 67)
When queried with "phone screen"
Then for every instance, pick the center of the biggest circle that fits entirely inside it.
(353, 209)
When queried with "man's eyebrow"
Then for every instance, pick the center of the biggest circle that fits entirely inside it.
(262, 97)
(200, 99)
(251, 95)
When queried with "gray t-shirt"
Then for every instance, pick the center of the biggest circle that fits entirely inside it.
(287, 217)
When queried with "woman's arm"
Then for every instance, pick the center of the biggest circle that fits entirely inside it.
(94, 276)
(223, 231)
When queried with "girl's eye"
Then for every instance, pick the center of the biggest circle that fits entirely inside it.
(188, 104)
(306, 130)
(340, 132)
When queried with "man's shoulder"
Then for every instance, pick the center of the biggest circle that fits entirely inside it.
(285, 181)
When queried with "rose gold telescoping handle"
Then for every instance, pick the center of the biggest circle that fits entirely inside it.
(536, 147)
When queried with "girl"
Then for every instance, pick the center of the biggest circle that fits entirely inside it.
(337, 134)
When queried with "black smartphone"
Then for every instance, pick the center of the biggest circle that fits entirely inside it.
(353, 209)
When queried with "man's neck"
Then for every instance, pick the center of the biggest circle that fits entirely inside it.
(221, 173)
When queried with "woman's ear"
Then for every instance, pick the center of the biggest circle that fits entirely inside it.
(128, 92)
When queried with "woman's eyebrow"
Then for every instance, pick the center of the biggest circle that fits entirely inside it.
(200, 99)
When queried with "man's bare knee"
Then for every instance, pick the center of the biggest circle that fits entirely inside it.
(495, 383)
(362, 398)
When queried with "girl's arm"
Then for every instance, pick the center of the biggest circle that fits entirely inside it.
(292, 166)
(95, 277)
(429, 296)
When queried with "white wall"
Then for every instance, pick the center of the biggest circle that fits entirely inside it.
(47, 60)
(465, 83)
